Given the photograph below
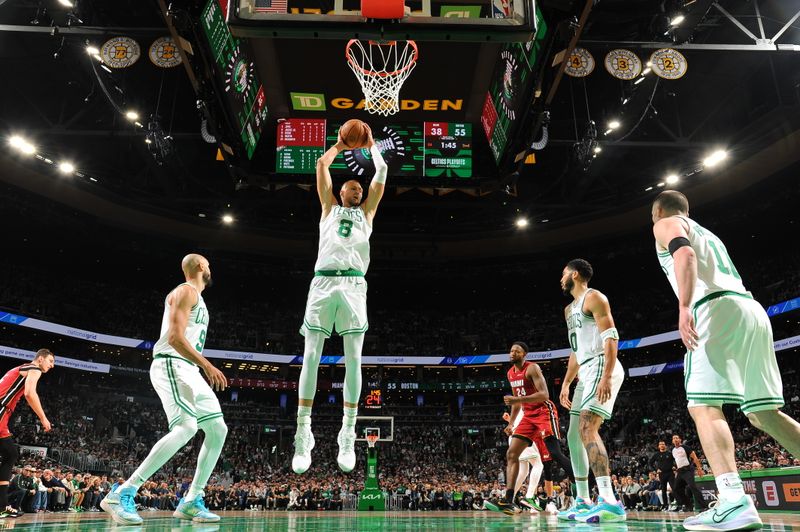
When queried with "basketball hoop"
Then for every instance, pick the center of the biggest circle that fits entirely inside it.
(372, 439)
(381, 68)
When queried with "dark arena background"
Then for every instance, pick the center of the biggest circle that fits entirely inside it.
(527, 133)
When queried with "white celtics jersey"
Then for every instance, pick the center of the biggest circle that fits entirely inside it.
(715, 270)
(344, 240)
(196, 328)
(584, 338)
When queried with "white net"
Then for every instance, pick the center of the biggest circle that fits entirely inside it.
(381, 69)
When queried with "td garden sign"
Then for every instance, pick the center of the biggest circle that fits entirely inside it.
(302, 101)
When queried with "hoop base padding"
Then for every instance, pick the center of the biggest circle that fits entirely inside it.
(383, 9)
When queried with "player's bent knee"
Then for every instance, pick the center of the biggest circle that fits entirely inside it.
(186, 429)
(215, 430)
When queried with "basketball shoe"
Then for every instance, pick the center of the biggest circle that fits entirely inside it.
(121, 506)
(195, 510)
(347, 451)
(303, 443)
(725, 515)
(603, 512)
(578, 507)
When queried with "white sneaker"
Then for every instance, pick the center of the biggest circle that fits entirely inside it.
(303, 443)
(347, 451)
(551, 508)
(724, 515)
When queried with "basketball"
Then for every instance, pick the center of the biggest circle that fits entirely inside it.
(354, 133)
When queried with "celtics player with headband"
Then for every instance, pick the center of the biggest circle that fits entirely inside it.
(593, 339)
(730, 355)
(337, 298)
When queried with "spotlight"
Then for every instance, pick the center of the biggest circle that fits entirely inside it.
(521, 223)
(148, 141)
(715, 158)
(614, 124)
(66, 3)
(227, 218)
(648, 189)
(66, 167)
(132, 115)
(646, 71)
(625, 101)
(598, 149)
(677, 20)
(672, 179)
(22, 145)
(638, 81)
(659, 185)
(92, 50)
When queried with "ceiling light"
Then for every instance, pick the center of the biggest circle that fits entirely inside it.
(648, 189)
(598, 149)
(521, 222)
(65, 3)
(626, 100)
(227, 218)
(672, 179)
(22, 145)
(607, 132)
(132, 115)
(66, 167)
(638, 81)
(646, 71)
(659, 185)
(715, 158)
(148, 141)
(677, 20)
(97, 57)
(92, 50)
(614, 124)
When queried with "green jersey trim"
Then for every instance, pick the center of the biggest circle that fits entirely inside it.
(350, 272)
(173, 383)
(715, 295)
(165, 355)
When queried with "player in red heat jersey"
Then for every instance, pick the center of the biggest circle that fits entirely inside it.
(530, 395)
(15, 383)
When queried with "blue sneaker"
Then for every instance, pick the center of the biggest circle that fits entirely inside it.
(578, 507)
(603, 512)
(195, 511)
(121, 506)
(724, 515)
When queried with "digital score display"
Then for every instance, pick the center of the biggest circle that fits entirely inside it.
(373, 400)
(448, 149)
(243, 90)
(300, 142)
(401, 147)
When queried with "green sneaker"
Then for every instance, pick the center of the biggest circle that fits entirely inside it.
(724, 515)
(530, 503)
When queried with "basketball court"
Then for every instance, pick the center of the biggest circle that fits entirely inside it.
(372, 521)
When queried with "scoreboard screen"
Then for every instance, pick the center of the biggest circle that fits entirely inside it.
(244, 93)
(448, 149)
(300, 142)
(401, 147)
(437, 149)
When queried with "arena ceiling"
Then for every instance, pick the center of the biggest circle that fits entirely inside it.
(741, 93)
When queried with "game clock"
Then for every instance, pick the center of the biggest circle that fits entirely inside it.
(448, 149)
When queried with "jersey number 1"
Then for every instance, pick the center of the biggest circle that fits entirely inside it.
(727, 270)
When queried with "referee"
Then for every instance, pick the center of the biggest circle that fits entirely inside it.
(663, 462)
(684, 475)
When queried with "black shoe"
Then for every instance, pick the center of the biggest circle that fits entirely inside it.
(504, 506)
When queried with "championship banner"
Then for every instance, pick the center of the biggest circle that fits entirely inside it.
(22, 354)
(580, 64)
(668, 63)
(623, 64)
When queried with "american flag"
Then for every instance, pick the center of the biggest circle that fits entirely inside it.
(271, 6)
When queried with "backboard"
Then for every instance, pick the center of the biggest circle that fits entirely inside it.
(384, 425)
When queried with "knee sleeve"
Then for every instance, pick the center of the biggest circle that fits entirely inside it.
(577, 452)
(547, 472)
(312, 352)
(9, 454)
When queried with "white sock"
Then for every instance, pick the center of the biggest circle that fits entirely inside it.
(605, 489)
(583, 489)
(349, 418)
(730, 487)
(304, 415)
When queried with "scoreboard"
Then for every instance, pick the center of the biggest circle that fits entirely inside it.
(437, 149)
(373, 400)
(300, 142)
(448, 149)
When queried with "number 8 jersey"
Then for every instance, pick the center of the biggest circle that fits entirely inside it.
(344, 240)
(715, 270)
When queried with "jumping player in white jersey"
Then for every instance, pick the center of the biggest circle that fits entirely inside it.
(529, 461)
(188, 400)
(730, 355)
(593, 339)
(338, 298)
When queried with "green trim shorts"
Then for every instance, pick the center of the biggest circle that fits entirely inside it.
(183, 391)
(336, 301)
